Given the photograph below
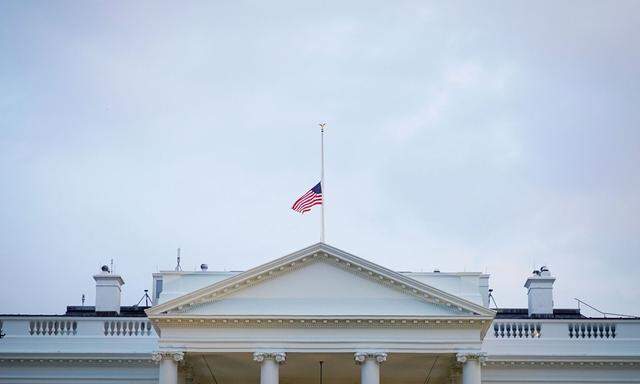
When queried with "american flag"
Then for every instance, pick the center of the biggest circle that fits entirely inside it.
(308, 200)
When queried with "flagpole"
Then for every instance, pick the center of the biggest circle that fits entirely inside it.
(322, 125)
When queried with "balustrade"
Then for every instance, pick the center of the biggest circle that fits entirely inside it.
(77, 326)
(590, 330)
(516, 330)
(54, 327)
(127, 328)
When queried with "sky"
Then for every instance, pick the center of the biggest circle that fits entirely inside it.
(464, 136)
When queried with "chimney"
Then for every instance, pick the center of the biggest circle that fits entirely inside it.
(108, 288)
(540, 293)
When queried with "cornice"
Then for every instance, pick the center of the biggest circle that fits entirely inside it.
(330, 322)
(315, 253)
(76, 361)
(565, 363)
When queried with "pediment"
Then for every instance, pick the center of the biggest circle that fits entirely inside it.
(319, 281)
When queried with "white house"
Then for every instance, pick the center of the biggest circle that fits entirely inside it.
(319, 315)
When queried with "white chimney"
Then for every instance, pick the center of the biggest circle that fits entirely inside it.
(540, 292)
(108, 289)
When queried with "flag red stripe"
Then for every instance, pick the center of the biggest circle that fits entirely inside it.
(304, 200)
(307, 205)
(309, 199)
(303, 197)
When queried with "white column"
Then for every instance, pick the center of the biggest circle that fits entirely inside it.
(471, 367)
(269, 366)
(370, 366)
(168, 370)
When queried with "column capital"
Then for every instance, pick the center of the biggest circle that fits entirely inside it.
(279, 357)
(176, 356)
(360, 357)
(463, 357)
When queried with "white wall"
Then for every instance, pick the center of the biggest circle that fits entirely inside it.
(570, 374)
(77, 373)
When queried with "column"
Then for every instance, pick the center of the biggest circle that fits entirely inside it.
(471, 366)
(168, 371)
(370, 366)
(269, 366)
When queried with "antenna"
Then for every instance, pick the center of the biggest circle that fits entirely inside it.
(111, 269)
(178, 267)
(602, 312)
(492, 298)
(146, 299)
(83, 298)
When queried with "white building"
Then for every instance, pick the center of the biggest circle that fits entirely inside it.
(275, 323)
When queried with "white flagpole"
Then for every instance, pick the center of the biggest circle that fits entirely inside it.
(322, 125)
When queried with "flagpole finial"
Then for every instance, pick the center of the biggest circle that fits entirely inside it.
(322, 125)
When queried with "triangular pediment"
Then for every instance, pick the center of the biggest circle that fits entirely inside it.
(320, 281)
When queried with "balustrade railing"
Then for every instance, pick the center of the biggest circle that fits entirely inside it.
(53, 327)
(592, 330)
(517, 330)
(60, 326)
(127, 328)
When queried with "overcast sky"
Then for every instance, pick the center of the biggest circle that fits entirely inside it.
(477, 136)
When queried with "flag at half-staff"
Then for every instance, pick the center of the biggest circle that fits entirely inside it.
(309, 199)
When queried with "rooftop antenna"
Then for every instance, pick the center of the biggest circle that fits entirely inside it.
(178, 267)
(604, 313)
(111, 269)
(83, 298)
(492, 298)
(146, 299)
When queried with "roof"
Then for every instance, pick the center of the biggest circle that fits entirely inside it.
(523, 313)
(90, 311)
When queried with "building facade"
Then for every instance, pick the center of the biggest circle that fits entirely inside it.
(319, 315)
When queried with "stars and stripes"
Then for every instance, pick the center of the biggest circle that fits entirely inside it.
(309, 199)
